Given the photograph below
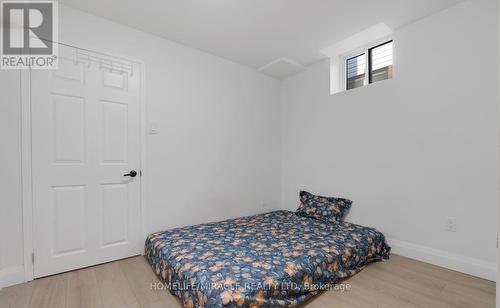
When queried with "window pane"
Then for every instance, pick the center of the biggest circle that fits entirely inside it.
(355, 72)
(381, 62)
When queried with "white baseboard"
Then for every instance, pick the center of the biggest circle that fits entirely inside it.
(459, 263)
(11, 276)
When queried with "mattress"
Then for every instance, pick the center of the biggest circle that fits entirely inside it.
(277, 259)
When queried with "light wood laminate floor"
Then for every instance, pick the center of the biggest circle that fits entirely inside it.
(399, 283)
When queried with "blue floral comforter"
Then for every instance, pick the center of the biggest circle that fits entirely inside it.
(277, 259)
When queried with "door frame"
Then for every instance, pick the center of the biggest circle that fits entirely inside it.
(26, 154)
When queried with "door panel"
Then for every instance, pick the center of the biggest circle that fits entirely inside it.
(68, 211)
(85, 137)
(114, 80)
(68, 119)
(115, 132)
(115, 220)
(69, 70)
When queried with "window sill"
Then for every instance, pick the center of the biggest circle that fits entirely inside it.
(378, 83)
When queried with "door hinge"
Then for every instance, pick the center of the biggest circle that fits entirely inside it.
(140, 172)
(497, 240)
(33, 258)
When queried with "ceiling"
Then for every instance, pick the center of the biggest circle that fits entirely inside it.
(258, 32)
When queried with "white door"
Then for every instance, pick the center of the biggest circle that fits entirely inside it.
(85, 138)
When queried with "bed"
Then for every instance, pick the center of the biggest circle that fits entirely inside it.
(278, 259)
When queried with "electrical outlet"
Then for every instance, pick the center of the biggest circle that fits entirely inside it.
(451, 224)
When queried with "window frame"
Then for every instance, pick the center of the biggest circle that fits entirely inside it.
(346, 68)
(366, 50)
(369, 60)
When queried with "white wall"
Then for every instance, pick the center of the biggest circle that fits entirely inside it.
(409, 151)
(217, 151)
(11, 226)
(498, 169)
(413, 150)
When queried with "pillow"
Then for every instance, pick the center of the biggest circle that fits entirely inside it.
(326, 209)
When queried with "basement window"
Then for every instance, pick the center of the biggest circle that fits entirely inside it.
(356, 72)
(368, 66)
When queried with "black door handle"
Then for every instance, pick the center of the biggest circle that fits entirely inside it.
(132, 173)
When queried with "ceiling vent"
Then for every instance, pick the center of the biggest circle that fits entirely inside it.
(281, 68)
